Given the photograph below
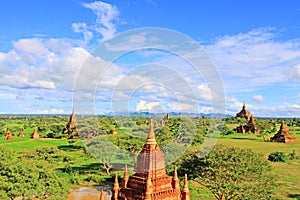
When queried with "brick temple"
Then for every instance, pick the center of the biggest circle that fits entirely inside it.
(250, 127)
(72, 121)
(283, 135)
(8, 135)
(35, 134)
(150, 180)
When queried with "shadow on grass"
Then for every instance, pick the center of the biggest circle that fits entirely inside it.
(70, 148)
(84, 169)
(294, 196)
(240, 138)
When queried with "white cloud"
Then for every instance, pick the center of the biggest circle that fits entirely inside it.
(41, 63)
(49, 111)
(257, 98)
(295, 73)
(250, 60)
(106, 21)
(144, 106)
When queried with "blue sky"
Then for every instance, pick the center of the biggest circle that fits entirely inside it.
(254, 45)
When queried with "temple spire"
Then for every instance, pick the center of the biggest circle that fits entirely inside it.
(175, 180)
(151, 136)
(185, 191)
(223, 196)
(115, 191)
(102, 197)
(125, 178)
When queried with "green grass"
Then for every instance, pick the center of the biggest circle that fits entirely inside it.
(23, 143)
(287, 174)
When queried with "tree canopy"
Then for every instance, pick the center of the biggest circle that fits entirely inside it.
(238, 173)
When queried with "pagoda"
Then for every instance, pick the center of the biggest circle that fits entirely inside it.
(244, 113)
(35, 134)
(72, 121)
(250, 126)
(283, 135)
(21, 134)
(8, 135)
(150, 180)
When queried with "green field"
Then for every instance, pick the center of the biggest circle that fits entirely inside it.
(287, 173)
(87, 169)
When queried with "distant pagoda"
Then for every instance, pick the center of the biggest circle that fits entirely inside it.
(21, 134)
(244, 113)
(150, 180)
(250, 126)
(70, 128)
(8, 135)
(72, 121)
(283, 135)
(35, 134)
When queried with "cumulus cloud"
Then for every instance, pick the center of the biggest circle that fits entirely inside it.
(41, 63)
(257, 98)
(146, 106)
(257, 58)
(106, 21)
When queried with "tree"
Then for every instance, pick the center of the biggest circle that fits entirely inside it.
(103, 150)
(29, 178)
(239, 173)
(265, 127)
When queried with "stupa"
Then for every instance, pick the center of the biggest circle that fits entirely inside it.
(21, 134)
(244, 113)
(150, 180)
(283, 135)
(250, 126)
(8, 135)
(35, 134)
(72, 121)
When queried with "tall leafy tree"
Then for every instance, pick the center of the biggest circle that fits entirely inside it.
(238, 173)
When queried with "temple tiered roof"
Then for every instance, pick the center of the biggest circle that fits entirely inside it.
(150, 180)
(283, 135)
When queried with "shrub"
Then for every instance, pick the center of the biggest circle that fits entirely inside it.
(277, 157)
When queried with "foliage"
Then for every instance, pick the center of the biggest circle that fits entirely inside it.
(277, 157)
(27, 177)
(103, 150)
(239, 173)
(265, 127)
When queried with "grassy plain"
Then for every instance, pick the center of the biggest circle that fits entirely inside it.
(287, 173)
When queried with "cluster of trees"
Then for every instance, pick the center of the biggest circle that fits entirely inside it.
(31, 175)
(236, 173)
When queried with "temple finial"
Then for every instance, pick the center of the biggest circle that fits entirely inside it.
(115, 190)
(175, 180)
(125, 178)
(185, 191)
(151, 136)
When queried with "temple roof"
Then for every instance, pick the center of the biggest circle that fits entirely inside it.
(244, 113)
(283, 135)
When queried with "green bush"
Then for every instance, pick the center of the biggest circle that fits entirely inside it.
(277, 157)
